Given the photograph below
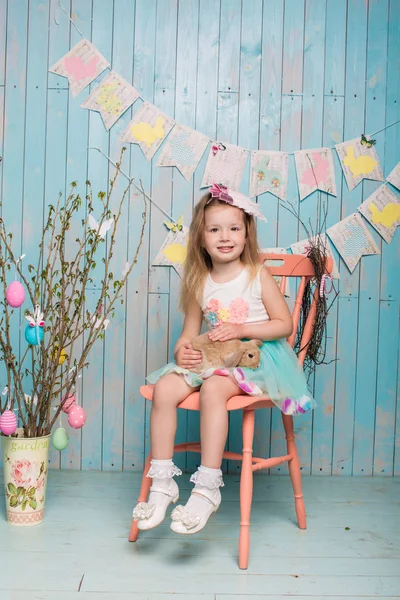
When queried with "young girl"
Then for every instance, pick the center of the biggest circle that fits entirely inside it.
(225, 284)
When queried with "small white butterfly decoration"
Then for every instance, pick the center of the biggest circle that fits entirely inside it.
(28, 399)
(100, 322)
(126, 269)
(101, 230)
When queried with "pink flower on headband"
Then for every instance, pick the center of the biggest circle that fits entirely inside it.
(221, 192)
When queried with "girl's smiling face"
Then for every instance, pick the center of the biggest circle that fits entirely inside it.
(224, 233)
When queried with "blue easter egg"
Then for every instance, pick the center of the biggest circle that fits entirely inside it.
(34, 335)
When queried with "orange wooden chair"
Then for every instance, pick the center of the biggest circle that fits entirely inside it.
(284, 265)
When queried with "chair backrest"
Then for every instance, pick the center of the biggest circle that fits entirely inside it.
(297, 265)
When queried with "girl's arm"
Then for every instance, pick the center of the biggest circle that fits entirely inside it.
(184, 354)
(280, 324)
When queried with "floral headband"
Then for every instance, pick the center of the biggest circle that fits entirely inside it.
(221, 192)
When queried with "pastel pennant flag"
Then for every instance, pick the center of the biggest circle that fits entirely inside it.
(269, 173)
(148, 128)
(111, 98)
(81, 65)
(382, 210)
(183, 150)
(174, 248)
(352, 240)
(303, 246)
(225, 165)
(359, 161)
(315, 171)
(394, 177)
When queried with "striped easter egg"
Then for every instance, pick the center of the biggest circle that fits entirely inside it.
(8, 422)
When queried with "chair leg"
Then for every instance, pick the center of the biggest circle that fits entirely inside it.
(246, 488)
(143, 495)
(294, 470)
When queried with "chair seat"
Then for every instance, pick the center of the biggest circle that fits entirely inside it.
(192, 402)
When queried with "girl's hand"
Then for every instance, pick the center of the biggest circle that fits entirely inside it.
(225, 332)
(186, 357)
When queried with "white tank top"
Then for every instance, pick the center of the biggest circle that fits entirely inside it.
(234, 301)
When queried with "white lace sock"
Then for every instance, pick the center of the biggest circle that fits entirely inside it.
(161, 472)
(163, 491)
(204, 500)
(206, 489)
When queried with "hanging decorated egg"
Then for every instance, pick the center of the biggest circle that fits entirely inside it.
(8, 422)
(15, 294)
(34, 334)
(69, 403)
(60, 439)
(76, 417)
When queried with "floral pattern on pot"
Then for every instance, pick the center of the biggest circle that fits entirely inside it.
(28, 480)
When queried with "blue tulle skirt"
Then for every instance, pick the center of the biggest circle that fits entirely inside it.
(279, 376)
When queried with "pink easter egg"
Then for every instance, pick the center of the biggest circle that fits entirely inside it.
(15, 294)
(76, 417)
(69, 403)
(8, 422)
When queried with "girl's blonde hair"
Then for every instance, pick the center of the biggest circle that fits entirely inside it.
(198, 262)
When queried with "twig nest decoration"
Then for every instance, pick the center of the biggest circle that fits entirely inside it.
(76, 417)
(15, 294)
(8, 422)
(60, 439)
(68, 403)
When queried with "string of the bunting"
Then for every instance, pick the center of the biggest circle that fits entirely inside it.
(59, 5)
(132, 180)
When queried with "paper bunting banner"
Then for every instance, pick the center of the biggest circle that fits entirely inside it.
(148, 129)
(111, 98)
(173, 251)
(269, 173)
(225, 165)
(315, 171)
(352, 240)
(394, 177)
(359, 161)
(81, 65)
(303, 246)
(183, 150)
(382, 210)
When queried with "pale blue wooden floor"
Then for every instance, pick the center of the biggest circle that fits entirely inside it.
(81, 551)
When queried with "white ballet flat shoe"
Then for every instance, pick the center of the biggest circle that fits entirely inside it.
(189, 520)
(152, 514)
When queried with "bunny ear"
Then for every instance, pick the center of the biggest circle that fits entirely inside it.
(257, 342)
(30, 319)
(233, 359)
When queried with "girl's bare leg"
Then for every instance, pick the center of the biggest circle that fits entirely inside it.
(214, 395)
(206, 496)
(169, 391)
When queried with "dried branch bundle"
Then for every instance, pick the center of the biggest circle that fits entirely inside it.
(59, 284)
(317, 253)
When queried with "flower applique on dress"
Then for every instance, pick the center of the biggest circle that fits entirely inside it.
(236, 313)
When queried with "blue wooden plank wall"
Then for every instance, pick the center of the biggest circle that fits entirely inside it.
(268, 74)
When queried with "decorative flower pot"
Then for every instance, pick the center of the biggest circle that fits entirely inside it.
(25, 477)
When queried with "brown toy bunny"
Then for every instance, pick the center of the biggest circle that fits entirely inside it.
(233, 353)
